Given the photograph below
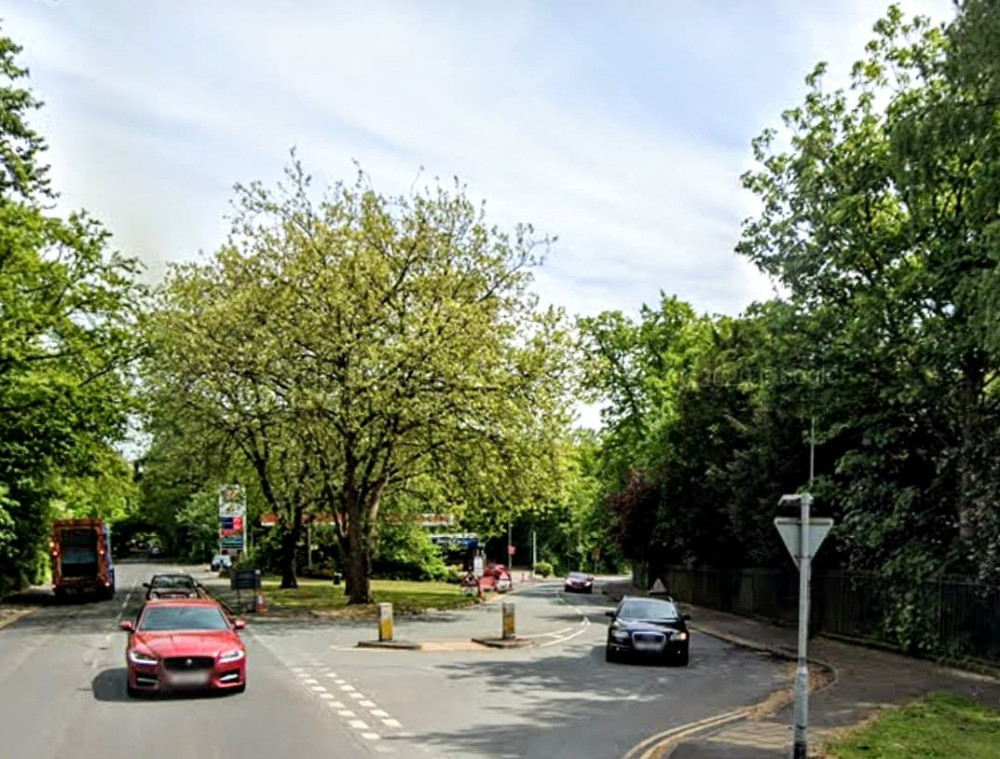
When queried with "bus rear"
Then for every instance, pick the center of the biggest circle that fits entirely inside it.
(81, 558)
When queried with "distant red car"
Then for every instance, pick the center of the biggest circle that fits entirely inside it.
(184, 644)
(494, 570)
(578, 582)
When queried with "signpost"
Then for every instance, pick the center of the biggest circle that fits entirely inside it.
(802, 537)
(232, 518)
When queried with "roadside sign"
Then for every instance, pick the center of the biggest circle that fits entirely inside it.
(477, 566)
(788, 528)
(232, 501)
(511, 550)
(658, 589)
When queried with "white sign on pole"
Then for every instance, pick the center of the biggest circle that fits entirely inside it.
(788, 527)
(232, 501)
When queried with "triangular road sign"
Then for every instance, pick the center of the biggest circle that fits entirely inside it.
(788, 528)
(658, 588)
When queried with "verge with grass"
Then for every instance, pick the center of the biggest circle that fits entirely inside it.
(406, 597)
(942, 726)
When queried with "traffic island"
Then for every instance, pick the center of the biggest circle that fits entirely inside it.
(508, 638)
(392, 645)
(504, 642)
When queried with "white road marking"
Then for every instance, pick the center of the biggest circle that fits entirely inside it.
(310, 680)
(347, 687)
(319, 689)
(331, 674)
(347, 713)
(327, 696)
(337, 705)
(358, 724)
(380, 713)
(367, 704)
(356, 695)
(370, 736)
(391, 722)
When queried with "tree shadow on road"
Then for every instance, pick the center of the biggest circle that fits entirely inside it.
(574, 703)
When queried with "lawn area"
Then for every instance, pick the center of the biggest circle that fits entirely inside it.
(942, 726)
(405, 597)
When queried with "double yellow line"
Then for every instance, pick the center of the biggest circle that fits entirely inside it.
(654, 746)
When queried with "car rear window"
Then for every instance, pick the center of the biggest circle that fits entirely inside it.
(161, 618)
(172, 581)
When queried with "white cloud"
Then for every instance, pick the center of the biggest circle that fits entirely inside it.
(155, 109)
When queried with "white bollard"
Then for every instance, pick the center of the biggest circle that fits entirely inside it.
(385, 622)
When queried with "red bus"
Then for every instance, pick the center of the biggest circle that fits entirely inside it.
(81, 558)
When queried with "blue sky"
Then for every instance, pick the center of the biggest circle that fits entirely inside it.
(620, 127)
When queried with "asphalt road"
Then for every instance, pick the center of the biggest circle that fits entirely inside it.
(310, 690)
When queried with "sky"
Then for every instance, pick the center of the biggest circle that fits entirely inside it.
(621, 127)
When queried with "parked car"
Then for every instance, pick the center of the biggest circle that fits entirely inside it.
(221, 561)
(648, 628)
(171, 586)
(579, 582)
(182, 644)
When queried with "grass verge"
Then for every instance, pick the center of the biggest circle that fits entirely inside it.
(323, 597)
(942, 726)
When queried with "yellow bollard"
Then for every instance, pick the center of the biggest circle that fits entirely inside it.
(508, 620)
(385, 622)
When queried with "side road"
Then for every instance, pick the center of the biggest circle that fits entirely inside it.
(866, 681)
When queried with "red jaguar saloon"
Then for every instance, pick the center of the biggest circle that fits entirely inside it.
(184, 644)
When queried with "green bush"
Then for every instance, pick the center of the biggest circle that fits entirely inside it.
(543, 568)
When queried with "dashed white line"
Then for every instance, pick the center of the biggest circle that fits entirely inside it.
(380, 713)
(347, 713)
(327, 696)
(391, 722)
(367, 704)
(319, 689)
(370, 736)
(357, 696)
(347, 687)
(358, 724)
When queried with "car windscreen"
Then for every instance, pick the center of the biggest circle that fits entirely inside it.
(650, 610)
(172, 581)
(162, 618)
(578, 576)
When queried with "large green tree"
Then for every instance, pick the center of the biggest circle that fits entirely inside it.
(67, 337)
(387, 344)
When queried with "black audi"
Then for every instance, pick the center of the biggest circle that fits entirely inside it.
(648, 628)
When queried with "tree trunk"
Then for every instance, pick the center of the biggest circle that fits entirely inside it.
(289, 547)
(358, 589)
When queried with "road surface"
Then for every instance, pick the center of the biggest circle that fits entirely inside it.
(310, 691)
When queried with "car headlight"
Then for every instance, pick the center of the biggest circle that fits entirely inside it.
(619, 634)
(231, 656)
(138, 657)
(680, 636)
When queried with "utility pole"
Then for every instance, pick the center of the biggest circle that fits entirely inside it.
(510, 555)
(534, 552)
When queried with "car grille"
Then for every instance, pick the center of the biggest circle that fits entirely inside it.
(645, 637)
(188, 663)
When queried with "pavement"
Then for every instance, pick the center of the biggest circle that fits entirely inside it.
(312, 689)
(865, 682)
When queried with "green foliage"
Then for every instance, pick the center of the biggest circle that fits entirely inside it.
(67, 338)
(543, 569)
(404, 551)
(880, 214)
(360, 346)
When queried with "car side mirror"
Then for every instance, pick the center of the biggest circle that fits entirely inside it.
(686, 617)
(128, 626)
(610, 614)
(239, 624)
(145, 585)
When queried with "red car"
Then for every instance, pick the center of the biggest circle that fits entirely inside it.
(578, 582)
(184, 644)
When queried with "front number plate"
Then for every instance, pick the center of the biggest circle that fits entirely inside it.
(189, 678)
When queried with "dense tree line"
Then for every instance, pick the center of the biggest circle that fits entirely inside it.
(68, 307)
(880, 221)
